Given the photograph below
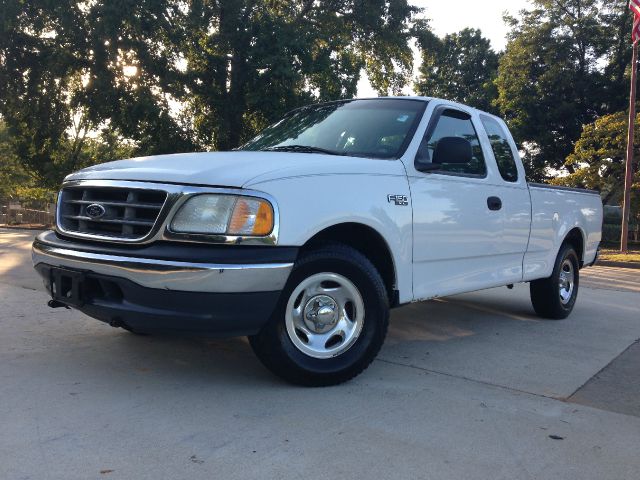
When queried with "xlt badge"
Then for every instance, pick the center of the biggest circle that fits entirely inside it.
(401, 200)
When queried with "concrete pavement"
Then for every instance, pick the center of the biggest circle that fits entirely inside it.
(472, 386)
(15, 256)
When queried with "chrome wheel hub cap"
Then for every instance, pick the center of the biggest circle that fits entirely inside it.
(566, 281)
(321, 314)
(324, 315)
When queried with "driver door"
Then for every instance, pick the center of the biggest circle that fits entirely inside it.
(456, 229)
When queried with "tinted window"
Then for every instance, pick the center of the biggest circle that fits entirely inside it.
(453, 123)
(501, 149)
(363, 128)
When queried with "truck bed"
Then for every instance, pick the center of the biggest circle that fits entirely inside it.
(559, 187)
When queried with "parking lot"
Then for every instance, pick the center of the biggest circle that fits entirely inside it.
(472, 386)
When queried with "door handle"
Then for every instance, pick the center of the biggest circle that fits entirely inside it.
(494, 203)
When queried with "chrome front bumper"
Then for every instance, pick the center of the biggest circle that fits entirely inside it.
(169, 275)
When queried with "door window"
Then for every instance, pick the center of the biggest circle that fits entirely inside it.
(454, 123)
(501, 149)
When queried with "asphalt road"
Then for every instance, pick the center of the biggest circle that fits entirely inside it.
(469, 387)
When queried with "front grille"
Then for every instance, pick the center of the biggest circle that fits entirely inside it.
(126, 213)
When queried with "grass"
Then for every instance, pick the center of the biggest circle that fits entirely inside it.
(614, 255)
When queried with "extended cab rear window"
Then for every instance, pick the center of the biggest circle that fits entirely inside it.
(501, 149)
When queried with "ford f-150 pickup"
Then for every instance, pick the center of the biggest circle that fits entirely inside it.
(306, 236)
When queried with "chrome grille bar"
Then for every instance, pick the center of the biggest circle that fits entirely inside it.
(119, 212)
(116, 204)
(114, 220)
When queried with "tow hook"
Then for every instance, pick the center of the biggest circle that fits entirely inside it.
(510, 286)
(56, 304)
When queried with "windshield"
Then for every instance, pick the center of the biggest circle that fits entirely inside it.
(379, 128)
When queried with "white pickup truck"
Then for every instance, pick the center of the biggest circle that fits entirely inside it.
(305, 237)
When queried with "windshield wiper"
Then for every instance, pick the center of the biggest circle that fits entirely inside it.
(301, 149)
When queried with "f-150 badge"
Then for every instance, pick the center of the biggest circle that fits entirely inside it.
(400, 200)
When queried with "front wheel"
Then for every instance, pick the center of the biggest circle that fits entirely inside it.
(554, 297)
(330, 322)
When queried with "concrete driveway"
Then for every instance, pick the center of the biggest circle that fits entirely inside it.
(469, 387)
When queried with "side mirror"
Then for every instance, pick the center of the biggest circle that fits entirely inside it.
(453, 150)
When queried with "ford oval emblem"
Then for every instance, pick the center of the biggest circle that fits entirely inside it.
(95, 210)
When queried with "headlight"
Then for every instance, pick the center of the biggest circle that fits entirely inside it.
(224, 215)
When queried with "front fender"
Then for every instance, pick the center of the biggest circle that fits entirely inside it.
(310, 204)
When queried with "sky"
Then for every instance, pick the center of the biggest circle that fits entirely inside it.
(450, 16)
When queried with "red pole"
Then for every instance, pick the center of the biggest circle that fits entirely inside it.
(628, 177)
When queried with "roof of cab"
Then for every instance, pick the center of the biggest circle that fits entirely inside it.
(429, 99)
(412, 97)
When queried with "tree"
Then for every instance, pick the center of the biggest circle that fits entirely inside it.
(17, 181)
(247, 62)
(132, 70)
(165, 76)
(616, 24)
(12, 174)
(460, 67)
(39, 47)
(598, 160)
(63, 75)
(551, 78)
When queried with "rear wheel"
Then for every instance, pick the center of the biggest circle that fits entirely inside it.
(555, 297)
(331, 320)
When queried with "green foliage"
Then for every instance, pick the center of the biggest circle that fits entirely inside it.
(34, 196)
(248, 62)
(616, 47)
(12, 174)
(62, 77)
(18, 182)
(163, 76)
(598, 161)
(38, 50)
(563, 67)
(461, 67)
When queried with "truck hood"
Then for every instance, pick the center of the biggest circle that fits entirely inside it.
(233, 169)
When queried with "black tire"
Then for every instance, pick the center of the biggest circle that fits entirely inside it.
(545, 293)
(278, 353)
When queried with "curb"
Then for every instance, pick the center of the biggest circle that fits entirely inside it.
(24, 227)
(608, 263)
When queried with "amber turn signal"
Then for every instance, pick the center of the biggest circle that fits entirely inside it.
(251, 216)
